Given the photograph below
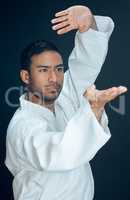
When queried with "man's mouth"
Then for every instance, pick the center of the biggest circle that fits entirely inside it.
(53, 87)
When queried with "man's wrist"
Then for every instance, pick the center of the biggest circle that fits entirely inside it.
(98, 113)
(94, 25)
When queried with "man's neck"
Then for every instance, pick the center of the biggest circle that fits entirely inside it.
(35, 99)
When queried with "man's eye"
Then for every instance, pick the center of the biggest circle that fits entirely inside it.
(43, 70)
(60, 69)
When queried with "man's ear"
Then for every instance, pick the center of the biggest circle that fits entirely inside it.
(24, 74)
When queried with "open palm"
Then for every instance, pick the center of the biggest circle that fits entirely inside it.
(98, 98)
(75, 17)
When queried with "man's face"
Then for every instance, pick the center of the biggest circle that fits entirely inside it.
(47, 75)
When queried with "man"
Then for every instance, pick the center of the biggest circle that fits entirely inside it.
(57, 130)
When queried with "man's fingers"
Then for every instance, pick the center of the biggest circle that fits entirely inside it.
(99, 98)
(104, 95)
(119, 90)
(59, 19)
(110, 90)
(109, 94)
(61, 13)
(122, 89)
(60, 25)
(115, 92)
(64, 30)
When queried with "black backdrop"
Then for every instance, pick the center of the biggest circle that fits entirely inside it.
(28, 20)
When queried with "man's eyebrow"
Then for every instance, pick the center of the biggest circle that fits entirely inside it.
(60, 65)
(40, 66)
(45, 66)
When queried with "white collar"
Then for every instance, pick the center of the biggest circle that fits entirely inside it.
(35, 108)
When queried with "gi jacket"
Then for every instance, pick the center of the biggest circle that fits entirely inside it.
(49, 154)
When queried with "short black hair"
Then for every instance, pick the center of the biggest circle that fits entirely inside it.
(35, 48)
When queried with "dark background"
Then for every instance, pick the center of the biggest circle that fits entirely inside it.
(28, 20)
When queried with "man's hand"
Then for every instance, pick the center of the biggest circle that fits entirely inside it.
(75, 17)
(99, 98)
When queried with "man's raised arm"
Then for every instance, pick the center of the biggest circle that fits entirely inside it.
(90, 49)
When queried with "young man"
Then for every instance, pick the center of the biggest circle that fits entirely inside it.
(60, 124)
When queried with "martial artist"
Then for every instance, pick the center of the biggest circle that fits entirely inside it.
(61, 122)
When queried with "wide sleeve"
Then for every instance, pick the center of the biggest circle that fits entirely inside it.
(87, 57)
(58, 151)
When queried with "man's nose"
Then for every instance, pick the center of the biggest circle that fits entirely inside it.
(52, 77)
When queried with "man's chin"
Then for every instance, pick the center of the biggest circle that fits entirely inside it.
(50, 98)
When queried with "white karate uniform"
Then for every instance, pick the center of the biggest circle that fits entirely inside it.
(49, 154)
